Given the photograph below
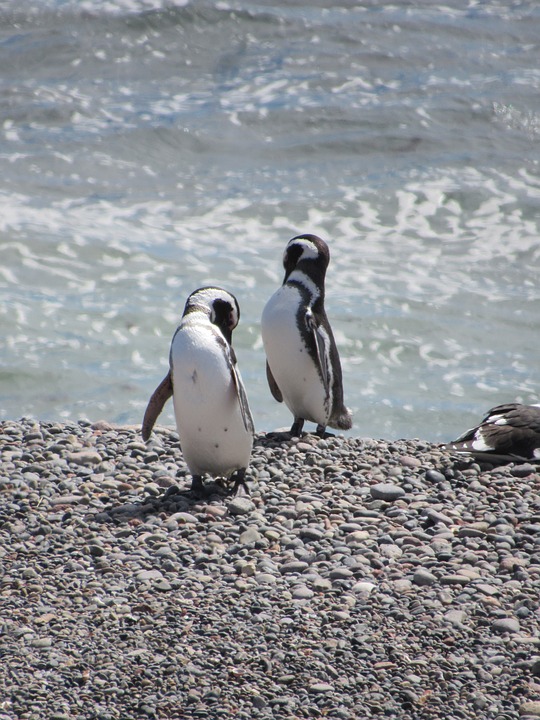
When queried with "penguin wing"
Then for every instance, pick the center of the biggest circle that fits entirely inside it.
(240, 391)
(155, 405)
(272, 384)
(320, 340)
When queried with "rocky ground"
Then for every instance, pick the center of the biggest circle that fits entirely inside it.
(360, 579)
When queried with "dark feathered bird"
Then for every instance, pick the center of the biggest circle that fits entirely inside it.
(511, 430)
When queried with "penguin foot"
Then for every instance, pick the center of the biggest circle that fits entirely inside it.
(296, 427)
(239, 478)
(197, 486)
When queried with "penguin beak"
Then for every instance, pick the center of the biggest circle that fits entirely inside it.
(227, 333)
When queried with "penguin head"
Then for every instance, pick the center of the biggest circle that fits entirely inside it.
(220, 306)
(307, 252)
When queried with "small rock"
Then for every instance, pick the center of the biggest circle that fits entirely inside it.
(434, 476)
(311, 533)
(102, 425)
(163, 585)
(505, 625)
(84, 457)
(302, 592)
(510, 563)
(340, 574)
(246, 569)
(66, 500)
(96, 550)
(265, 579)
(357, 536)
(455, 617)
(351, 527)
(402, 586)
(524, 470)
(241, 506)
(487, 589)
(183, 517)
(454, 580)
(438, 517)
(294, 566)
(423, 577)
(410, 461)
(321, 584)
(321, 688)
(145, 575)
(250, 536)
(386, 491)
(391, 551)
(531, 707)
(363, 587)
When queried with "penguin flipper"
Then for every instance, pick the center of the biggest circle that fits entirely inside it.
(155, 405)
(321, 342)
(272, 384)
(241, 395)
(242, 401)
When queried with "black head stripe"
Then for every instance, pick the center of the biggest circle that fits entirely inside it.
(225, 317)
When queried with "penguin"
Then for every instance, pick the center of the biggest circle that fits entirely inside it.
(302, 361)
(511, 430)
(213, 418)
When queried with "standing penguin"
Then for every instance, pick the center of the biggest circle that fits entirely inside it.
(302, 360)
(212, 414)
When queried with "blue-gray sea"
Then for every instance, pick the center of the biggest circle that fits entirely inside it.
(151, 147)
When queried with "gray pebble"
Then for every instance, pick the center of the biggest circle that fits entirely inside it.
(302, 592)
(145, 575)
(294, 566)
(311, 533)
(265, 579)
(250, 536)
(455, 617)
(386, 491)
(506, 625)
(523, 470)
(321, 688)
(363, 587)
(423, 577)
(434, 476)
(84, 457)
(241, 506)
(530, 708)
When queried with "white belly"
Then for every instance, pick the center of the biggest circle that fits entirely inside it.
(292, 366)
(208, 416)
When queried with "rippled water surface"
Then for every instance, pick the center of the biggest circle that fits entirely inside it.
(149, 148)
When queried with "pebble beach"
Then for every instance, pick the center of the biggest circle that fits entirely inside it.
(360, 578)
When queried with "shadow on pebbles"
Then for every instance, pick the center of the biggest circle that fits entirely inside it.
(359, 579)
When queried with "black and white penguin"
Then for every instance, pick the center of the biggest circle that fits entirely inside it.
(302, 361)
(507, 430)
(212, 414)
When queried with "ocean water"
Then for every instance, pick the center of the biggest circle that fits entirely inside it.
(149, 148)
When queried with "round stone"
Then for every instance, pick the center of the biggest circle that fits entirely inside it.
(241, 506)
(386, 491)
(423, 577)
(505, 625)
